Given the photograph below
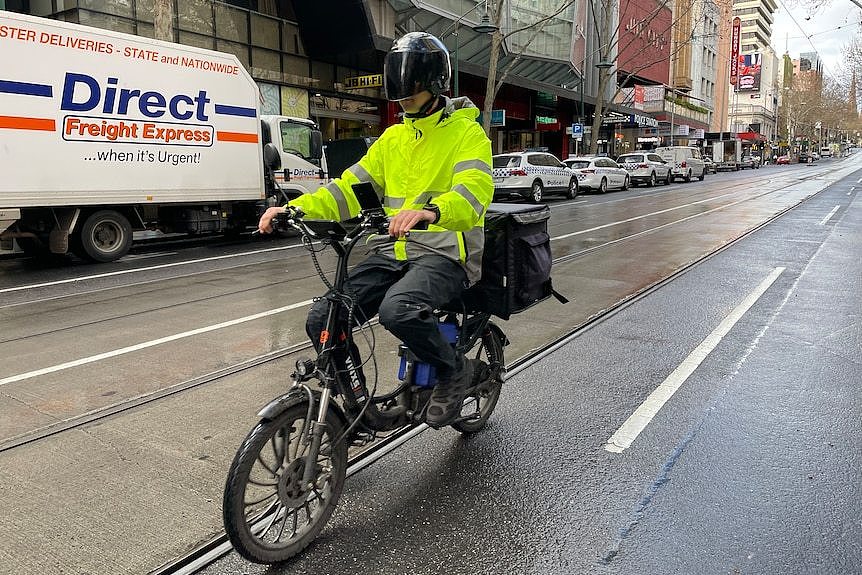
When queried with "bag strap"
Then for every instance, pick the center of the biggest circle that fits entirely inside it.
(560, 297)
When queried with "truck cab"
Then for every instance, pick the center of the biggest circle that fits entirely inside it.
(300, 145)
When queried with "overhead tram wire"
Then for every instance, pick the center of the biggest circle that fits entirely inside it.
(807, 37)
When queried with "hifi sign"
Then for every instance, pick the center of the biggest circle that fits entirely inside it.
(357, 82)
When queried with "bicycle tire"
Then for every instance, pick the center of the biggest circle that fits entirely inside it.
(487, 394)
(263, 464)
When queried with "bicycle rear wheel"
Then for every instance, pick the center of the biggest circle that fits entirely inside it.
(268, 514)
(488, 371)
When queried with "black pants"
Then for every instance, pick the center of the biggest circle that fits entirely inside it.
(404, 294)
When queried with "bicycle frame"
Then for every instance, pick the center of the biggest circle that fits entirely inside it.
(335, 336)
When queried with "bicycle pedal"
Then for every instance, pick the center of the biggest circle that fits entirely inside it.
(472, 417)
(361, 439)
(393, 411)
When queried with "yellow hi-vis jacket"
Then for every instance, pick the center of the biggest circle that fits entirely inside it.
(445, 160)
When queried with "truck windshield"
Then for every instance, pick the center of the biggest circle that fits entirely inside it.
(296, 139)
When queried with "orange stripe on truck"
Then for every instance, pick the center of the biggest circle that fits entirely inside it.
(236, 137)
(18, 123)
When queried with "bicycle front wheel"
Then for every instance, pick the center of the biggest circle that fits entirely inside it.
(269, 515)
(488, 373)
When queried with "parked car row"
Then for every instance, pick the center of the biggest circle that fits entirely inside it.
(533, 175)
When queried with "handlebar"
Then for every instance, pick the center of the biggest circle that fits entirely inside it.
(373, 221)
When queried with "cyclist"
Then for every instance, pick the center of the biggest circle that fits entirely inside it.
(434, 167)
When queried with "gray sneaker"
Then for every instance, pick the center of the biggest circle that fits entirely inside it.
(444, 406)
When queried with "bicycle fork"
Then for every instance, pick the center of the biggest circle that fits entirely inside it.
(318, 428)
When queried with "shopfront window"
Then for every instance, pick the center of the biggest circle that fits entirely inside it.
(197, 40)
(106, 22)
(196, 16)
(239, 50)
(115, 7)
(264, 32)
(231, 24)
(266, 62)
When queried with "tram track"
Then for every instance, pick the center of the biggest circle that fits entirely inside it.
(390, 444)
(139, 401)
(657, 193)
(219, 545)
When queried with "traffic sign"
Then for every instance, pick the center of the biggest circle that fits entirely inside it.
(578, 131)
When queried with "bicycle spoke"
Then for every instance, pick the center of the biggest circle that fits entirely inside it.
(259, 484)
(259, 501)
(281, 530)
(271, 521)
(295, 514)
(265, 466)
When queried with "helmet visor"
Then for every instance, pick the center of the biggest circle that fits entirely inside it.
(407, 73)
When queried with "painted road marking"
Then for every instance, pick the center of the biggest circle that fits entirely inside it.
(611, 224)
(146, 269)
(828, 216)
(151, 343)
(637, 422)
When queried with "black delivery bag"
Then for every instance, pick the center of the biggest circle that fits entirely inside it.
(516, 263)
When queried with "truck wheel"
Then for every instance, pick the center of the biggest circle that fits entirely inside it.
(105, 236)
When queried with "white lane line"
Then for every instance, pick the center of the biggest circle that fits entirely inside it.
(146, 269)
(572, 203)
(828, 216)
(628, 432)
(611, 224)
(151, 343)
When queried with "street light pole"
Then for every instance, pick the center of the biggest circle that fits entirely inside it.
(483, 27)
(672, 112)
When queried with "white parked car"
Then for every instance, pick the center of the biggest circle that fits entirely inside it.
(599, 173)
(531, 175)
(646, 168)
(686, 161)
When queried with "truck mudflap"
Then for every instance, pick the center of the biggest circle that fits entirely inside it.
(8, 217)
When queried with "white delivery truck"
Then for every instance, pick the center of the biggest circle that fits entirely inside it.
(727, 154)
(103, 133)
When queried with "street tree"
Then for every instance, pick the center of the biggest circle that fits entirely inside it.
(605, 21)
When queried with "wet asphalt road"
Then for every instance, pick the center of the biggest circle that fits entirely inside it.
(717, 482)
(752, 467)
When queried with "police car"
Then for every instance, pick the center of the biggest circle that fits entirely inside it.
(530, 175)
(599, 173)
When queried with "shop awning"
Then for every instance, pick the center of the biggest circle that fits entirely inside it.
(751, 136)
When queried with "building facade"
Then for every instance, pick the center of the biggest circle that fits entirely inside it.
(753, 101)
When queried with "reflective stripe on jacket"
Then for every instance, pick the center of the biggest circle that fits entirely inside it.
(445, 160)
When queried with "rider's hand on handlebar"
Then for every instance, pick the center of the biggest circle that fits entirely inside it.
(406, 220)
(264, 226)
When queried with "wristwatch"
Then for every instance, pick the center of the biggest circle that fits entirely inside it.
(435, 209)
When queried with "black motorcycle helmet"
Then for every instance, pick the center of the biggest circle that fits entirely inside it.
(416, 62)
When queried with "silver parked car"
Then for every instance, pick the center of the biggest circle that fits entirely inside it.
(599, 173)
(646, 168)
(531, 175)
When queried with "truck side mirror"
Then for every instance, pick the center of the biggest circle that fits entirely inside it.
(316, 144)
(271, 157)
